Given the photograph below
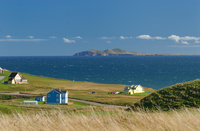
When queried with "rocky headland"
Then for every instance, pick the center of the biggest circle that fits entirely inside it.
(114, 52)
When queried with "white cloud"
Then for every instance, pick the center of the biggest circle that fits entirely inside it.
(183, 39)
(174, 37)
(107, 37)
(52, 37)
(19, 40)
(108, 42)
(190, 38)
(149, 37)
(185, 42)
(68, 41)
(31, 37)
(159, 38)
(185, 46)
(8, 36)
(78, 37)
(122, 37)
(144, 37)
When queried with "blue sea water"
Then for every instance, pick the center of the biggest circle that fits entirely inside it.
(150, 71)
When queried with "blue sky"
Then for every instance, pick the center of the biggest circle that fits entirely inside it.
(65, 27)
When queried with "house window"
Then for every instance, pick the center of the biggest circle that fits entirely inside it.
(57, 95)
(57, 99)
(48, 95)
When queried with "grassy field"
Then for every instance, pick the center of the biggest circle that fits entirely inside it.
(101, 119)
(10, 104)
(80, 90)
(79, 116)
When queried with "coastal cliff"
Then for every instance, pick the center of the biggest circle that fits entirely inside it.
(114, 52)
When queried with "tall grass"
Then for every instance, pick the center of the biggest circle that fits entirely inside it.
(93, 118)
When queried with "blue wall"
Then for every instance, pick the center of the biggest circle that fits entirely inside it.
(53, 97)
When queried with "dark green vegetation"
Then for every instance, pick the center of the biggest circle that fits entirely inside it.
(174, 97)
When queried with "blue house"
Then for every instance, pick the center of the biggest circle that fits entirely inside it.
(57, 96)
(40, 98)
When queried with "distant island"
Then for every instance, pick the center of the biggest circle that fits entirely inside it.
(114, 52)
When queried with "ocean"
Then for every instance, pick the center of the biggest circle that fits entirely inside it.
(149, 71)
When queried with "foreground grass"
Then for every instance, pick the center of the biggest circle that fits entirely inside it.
(92, 118)
(80, 90)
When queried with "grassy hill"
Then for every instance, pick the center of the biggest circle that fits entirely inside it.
(113, 51)
(174, 97)
(96, 51)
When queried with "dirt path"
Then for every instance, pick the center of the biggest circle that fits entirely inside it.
(86, 102)
(95, 103)
(1, 77)
(17, 94)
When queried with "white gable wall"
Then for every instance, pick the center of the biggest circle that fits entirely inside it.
(17, 77)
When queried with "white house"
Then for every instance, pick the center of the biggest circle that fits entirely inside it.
(1, 70)
(15, 78)
(138, 89)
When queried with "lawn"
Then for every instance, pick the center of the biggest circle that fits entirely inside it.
(75, 103)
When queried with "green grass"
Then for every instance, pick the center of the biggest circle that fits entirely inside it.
(6, 74)
(32, 79)
(76, 103)
(141, 94)
(174, 97)
(8, 109)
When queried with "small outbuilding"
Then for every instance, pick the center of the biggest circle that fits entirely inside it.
(23, 80)
(116, 92)
(30, 102)
(93, 92)
(40, 98)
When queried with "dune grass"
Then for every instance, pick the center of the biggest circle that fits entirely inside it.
(98, 119)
